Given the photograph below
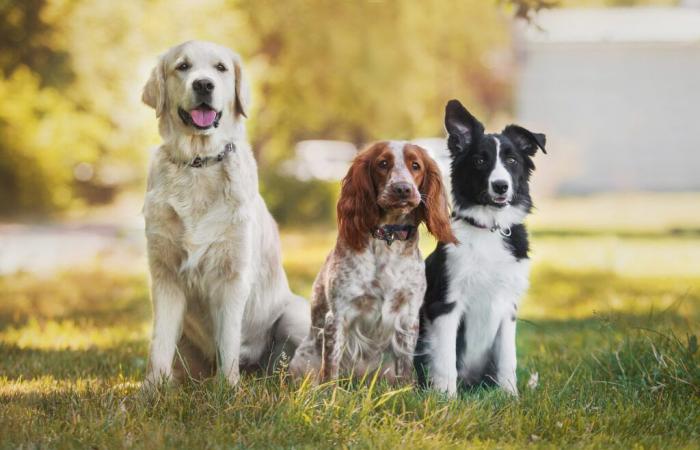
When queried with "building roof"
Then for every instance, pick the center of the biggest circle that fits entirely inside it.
(629, 25)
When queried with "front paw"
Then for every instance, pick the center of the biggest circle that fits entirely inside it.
(155, 380)
(233, 378)
(444, 383)
(509, 385)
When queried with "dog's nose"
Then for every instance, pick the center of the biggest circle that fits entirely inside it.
(500, 186)
(402, 189)
(203, 86)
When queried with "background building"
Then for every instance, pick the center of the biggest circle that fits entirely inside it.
(618, 93)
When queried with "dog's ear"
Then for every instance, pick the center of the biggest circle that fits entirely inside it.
(525, 140)
(433, 209)
(358, 212)
(241, 103)
(154, 91)
(462, 128)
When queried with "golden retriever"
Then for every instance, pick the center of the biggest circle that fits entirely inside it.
(220, 296)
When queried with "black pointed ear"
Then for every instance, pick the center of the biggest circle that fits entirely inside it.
(526, 140)
(463, 128)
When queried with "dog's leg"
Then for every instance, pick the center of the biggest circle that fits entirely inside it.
(505, 355)
(230, 299)
(169, 305)
(405, 344)
(442, 344)
(333, 343)
(294, 323)
(406, 337)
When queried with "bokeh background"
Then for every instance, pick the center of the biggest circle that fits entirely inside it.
(615, 85)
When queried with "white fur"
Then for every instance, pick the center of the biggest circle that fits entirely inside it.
(486, 284)
(213, 248)
(500, 173)
(492, 217)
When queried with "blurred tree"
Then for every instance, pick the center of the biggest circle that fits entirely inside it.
(361, 71)
(28, 39)
(72, 125)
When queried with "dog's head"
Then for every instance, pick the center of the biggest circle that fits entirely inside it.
(391, 179)
(491, 170)
(196, 85)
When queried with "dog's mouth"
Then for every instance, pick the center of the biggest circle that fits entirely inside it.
(399, 205)
(500, 201)
(201, 117)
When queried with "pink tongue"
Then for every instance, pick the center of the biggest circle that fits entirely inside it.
(203, 117)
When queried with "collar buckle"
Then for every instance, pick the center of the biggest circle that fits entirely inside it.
(390, 233)
(205, 161)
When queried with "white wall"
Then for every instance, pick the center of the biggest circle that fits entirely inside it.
(619, 116)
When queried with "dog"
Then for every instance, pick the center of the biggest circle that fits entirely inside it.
(367, 295)
(220, 296)
(467, 321)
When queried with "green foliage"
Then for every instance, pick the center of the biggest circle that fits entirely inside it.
(42, 137)
(313, 201)
(342, 70)
(356, 71)
(362, 71)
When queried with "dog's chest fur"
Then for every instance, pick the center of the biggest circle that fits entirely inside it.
(485, 281)
(193, 209)
(378, 293)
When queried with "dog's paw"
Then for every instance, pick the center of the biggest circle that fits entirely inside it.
(509, 386)
(445, 384)
(233, 378)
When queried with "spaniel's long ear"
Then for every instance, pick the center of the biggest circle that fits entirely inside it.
(358, 212)
(154, 90)
(242, 90)
(434, 210)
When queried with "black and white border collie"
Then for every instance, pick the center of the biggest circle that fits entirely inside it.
(467, 322)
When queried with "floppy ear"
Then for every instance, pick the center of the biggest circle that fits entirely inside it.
(526, 140)
(358, 212)
(462, 128)
(433, 209)
(242, 89)
(154, 90)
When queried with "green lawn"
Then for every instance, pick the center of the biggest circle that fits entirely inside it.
(609, 331)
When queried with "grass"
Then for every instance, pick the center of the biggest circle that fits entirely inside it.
(611, 342)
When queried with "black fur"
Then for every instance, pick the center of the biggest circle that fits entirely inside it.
(518, 242)
(473, 159)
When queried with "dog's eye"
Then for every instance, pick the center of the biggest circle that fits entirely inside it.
(221, 68)
(479, 161)
(415, 166)
(383, 164)
(183, 66)
(511, 161)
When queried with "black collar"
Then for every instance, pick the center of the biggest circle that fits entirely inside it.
(206, 161)
(471, 221)
(393, 232)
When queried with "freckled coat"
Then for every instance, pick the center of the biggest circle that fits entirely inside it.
(367, 295)
(375, 297)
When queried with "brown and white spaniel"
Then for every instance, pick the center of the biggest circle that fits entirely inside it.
(365, 301)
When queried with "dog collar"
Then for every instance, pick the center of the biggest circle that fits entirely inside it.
(392, 232)
(504, 231)
(206, 161)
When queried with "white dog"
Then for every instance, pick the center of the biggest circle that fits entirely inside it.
(220, 296)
